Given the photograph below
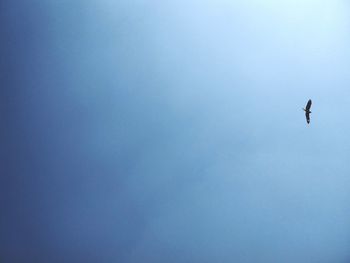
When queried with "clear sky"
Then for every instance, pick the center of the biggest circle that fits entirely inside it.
(173, 131)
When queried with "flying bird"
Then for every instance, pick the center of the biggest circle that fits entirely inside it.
(307, 111)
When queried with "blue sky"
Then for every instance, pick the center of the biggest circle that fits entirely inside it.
(173, 131)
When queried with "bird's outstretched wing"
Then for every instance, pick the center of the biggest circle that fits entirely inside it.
(308, 105)
(307, 115)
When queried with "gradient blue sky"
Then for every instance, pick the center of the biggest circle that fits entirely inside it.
(173, 131)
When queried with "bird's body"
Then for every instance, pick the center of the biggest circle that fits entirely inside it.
(307, 111)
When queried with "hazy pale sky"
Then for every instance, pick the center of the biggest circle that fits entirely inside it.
(173, 131)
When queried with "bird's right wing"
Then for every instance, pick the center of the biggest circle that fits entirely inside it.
(307, 115)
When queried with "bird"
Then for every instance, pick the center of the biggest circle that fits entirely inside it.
(307, 111)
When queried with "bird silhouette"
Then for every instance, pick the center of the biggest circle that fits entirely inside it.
(307, 111)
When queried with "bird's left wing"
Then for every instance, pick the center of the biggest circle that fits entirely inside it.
(308, 105)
